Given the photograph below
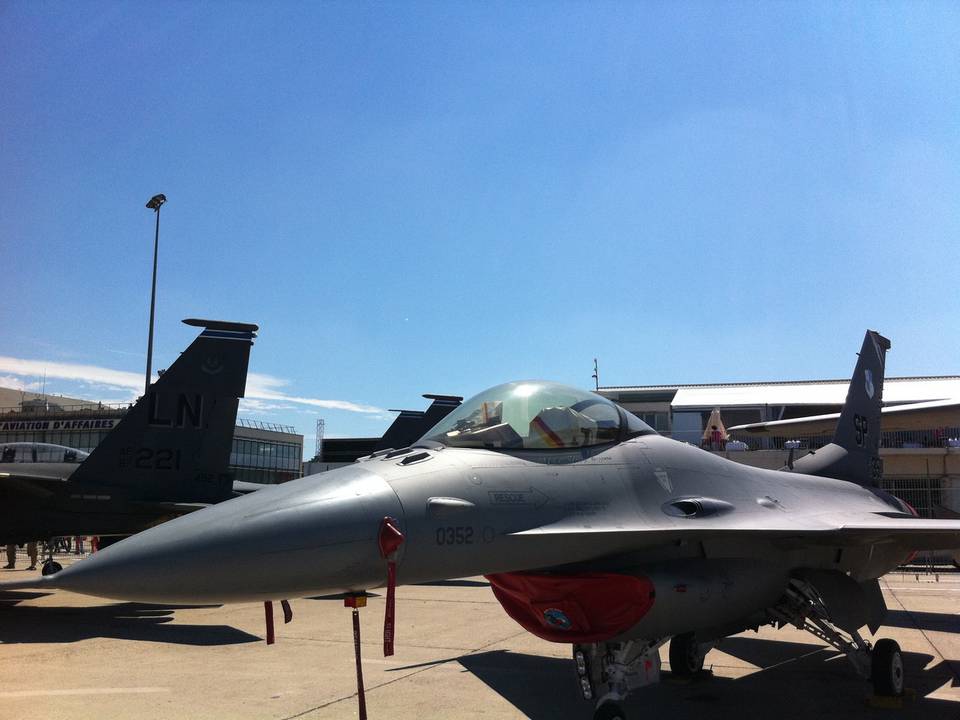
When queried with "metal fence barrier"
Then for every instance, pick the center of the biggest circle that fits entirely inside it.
(936, 438)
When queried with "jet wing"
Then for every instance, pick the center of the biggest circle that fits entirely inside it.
(38, 486)
(913, 416)
(43, 486)
(907, 532)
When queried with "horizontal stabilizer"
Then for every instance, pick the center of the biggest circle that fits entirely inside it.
(222, 325)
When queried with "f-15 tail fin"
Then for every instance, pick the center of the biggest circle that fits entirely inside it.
(411, 425)
(174, 443)
(854, 453)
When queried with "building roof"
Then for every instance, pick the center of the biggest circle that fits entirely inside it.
(12, 398)
(798, 392)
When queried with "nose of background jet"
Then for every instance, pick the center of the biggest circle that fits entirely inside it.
(316, 535)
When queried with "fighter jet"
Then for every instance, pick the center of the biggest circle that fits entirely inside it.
(593, 529)
(167, 456)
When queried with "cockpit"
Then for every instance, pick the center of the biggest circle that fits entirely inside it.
(536, 415)
(26, 452)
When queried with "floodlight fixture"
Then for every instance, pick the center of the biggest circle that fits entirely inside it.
(156, 201)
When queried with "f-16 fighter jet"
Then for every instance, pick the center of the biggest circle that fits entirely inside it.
(594, 531)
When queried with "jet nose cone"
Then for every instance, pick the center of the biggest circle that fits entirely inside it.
(315, 535)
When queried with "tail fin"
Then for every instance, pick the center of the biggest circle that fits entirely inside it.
(174, 443)
(854, 453)
(411, 425)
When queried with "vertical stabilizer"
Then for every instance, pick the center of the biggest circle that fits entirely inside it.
(854, 453)
(174, 443)
(858, 429)
(411, 425)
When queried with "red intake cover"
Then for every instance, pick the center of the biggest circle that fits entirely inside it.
(591, 607)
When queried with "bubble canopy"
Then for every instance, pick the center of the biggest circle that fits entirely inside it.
(536, 415)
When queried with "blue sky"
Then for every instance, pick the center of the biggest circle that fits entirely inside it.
(439, 197)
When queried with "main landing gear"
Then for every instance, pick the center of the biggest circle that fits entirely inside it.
(686, 655)
(886, 668)
(882, 664)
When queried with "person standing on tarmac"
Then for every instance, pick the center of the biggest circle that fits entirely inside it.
(12, 556)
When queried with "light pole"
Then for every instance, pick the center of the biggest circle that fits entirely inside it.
(155, 202)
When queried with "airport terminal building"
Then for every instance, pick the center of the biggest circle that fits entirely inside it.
(262, 452)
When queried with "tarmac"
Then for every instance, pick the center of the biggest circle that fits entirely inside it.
(458, 656)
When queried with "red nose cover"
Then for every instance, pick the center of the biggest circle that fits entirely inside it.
(591, 607)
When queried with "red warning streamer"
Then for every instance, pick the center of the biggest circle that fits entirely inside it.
(390, 540)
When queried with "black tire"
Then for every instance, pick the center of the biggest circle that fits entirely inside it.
(685, 657)
(886, 668)
(51, 567)
(610, 711)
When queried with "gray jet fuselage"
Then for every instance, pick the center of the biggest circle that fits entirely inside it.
(470, 511)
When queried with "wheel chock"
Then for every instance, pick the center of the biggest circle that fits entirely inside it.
(892, 702)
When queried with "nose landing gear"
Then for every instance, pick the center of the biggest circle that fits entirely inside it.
(608, 672)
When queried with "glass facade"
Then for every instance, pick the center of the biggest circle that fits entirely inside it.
(659, 421)
(265, 461)
(261, 452)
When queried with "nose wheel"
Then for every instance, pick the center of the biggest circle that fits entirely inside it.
(50, 567)
(610, 711)
(608, 672)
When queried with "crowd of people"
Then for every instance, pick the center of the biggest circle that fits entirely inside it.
(64, 544)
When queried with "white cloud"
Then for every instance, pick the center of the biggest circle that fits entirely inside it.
(15, 383)
(258, 382)
(259, 387)
(267, 387)
(254, 405)
(71, 371)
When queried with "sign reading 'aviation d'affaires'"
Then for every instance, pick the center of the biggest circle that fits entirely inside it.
(76, 424)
